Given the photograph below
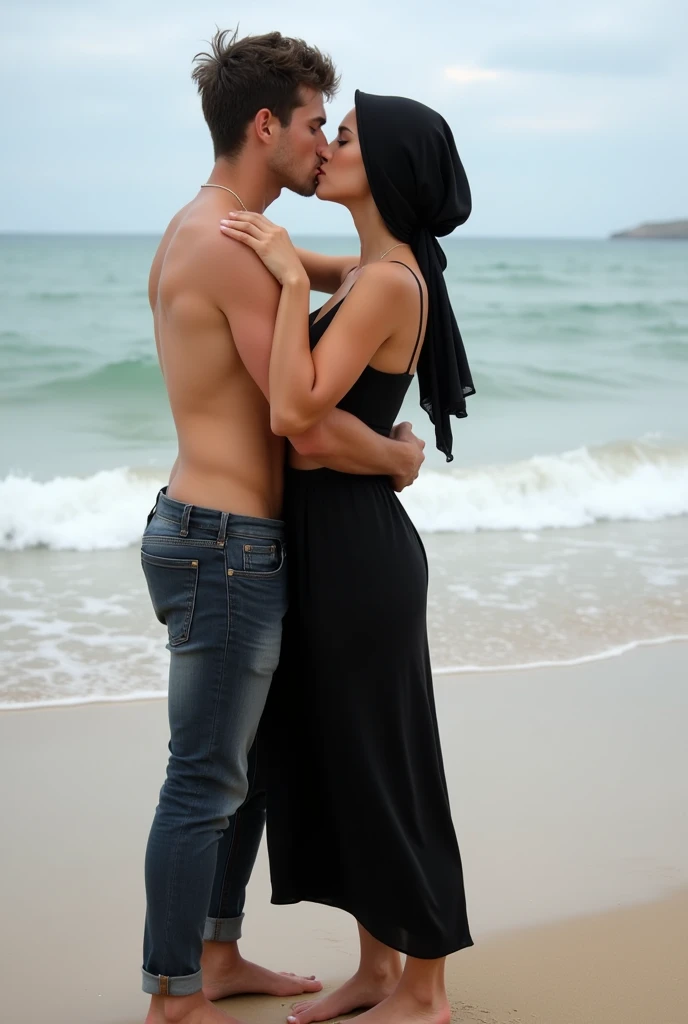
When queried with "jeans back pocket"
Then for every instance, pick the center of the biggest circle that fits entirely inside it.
(172, 584)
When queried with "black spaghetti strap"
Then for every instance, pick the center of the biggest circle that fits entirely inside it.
(420, 326)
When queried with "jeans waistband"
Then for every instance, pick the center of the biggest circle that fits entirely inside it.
(225, 523)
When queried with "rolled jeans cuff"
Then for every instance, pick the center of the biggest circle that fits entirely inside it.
(222, 929)
(160, 985)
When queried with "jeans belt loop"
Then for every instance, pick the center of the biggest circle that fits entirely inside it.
(222, 532)
(184, 529)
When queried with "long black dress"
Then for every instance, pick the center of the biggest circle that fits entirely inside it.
(358, 812)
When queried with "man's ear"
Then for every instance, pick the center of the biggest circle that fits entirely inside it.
(264, 124)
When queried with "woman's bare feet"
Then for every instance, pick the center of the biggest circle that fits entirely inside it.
(419, 998)
(364, 990)
(403, 1008)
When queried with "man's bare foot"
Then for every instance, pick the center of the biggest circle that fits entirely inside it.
(241, 977)
(194, 1009)
(156, 1011)
(358, 993)
(402, 1008)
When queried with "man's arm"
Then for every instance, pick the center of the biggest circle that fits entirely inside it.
(342, 442)
(249, 295)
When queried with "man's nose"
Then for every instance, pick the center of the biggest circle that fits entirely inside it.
(323, 150)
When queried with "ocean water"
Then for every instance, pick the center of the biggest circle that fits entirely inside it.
(559, 532)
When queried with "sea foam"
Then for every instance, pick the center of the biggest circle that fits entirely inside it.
(626, 481)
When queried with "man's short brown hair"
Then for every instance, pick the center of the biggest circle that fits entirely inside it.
(242, 76)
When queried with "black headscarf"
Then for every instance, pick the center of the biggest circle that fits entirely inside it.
(421, 190)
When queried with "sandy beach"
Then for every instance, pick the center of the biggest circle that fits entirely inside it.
(569, 787)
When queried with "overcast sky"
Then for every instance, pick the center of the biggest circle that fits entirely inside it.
(570, 122)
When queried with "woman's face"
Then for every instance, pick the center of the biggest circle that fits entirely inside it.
(342, 177)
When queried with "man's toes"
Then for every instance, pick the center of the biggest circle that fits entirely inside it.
(311, 985)
(307, 985)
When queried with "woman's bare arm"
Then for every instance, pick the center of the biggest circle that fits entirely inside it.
(305, 385)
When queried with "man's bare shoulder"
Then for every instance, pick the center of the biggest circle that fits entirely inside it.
(161, 253)
(232, 271)
(196, 258)
(172, 230)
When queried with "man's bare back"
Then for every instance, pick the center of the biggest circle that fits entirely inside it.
(228, 458)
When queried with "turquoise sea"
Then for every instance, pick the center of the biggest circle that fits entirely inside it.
(558, 533)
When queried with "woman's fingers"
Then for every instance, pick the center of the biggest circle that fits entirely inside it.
(239, 236)
(257, 222)
(249, 217)
(247, 227)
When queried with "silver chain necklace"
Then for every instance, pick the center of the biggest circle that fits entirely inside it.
(210, 184)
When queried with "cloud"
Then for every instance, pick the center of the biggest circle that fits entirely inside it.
(469, 75)
(582, 54)
(567, 124)
(95, 43)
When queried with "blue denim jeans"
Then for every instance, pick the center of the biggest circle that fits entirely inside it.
(218, 582)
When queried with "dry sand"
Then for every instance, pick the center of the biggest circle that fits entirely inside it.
(569, 788)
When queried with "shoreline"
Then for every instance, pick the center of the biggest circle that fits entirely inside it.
(142, 696)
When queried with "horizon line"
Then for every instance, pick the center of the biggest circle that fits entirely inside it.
(15, 233)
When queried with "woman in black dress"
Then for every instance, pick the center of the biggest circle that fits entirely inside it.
(358, 812)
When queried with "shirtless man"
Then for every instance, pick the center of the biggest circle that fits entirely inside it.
(213, 550)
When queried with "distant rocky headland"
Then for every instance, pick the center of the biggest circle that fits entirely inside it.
(663, 229)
